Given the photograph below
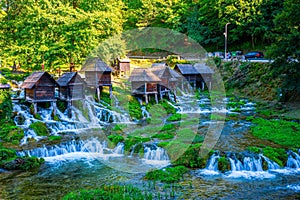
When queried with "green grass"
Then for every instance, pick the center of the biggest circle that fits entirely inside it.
(115, 139)
(281, 132)
(168, 175)
(39, 128)
(54, 137)
(112, 192)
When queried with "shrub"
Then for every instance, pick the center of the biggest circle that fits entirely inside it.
(54, 137)
(112, 192)
(115, 139)
(168, 175)
(39, 128)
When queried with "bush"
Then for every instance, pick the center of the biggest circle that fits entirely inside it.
(168, 175)
(281, 132)
(112, 192)
(130, 141)
(39, 128)
(115, 139)
(10, 133)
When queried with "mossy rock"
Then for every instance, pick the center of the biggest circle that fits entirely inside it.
(23, 163)
(168, 175)
(40, 128)
(223, 164)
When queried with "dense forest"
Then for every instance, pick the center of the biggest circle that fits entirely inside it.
(55, 33)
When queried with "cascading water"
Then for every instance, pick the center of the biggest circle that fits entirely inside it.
(91, 146)
(293, 160)
(155, 155)
(250, 165)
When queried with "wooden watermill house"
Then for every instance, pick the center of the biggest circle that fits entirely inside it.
(71, 88)
(40, 87)
(206, 74)
(97, 75)
(123, 67)
(197, 75)
(144, 82)
(169, 79)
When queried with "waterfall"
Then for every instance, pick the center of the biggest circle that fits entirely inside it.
(145, 113)
(293, 160)
(154, 152)
(212, 164)
(88, 146)
(271, 164)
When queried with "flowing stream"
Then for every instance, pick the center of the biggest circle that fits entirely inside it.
(87, 161)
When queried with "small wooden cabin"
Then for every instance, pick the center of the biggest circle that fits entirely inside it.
(40, 87)
(206, 75)
(97, 75)
(71, 86)
(188, 72)
(144, 82)
(197, 75)
(123, 67)
(169, 79)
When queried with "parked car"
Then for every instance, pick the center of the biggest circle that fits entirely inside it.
(219, 54)
(254, 54)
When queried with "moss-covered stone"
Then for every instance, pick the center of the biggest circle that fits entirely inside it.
(168, 175)
(223, 164)
(40, 128)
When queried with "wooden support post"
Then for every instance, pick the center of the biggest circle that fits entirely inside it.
(35, 107)
(209, 87)
(175, 98)
(98, 93)
(146, 98)
(54, 107)
(156, 99)
(161, 95)
(69, 108)
(169, 95)
(110, 91)
(202, 86)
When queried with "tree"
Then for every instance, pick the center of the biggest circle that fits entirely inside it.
(286, 49)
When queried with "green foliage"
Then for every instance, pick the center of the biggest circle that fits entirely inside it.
(130, 141)
(281, 132)
(223, 164)
(30, 163)
(112, 192)
(168, 108)
(168, 175)
(174, 117)
(10, 133)
(54, 137)
(163, 136)
(134, 108)
(7, 154)
(61, 105)
(254, 149)
(5, 105)
(276, 154)
(115, 139)
(40, 128)
(189, 154)
(119, 127)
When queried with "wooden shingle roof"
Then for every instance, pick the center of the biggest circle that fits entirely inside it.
(198, 68)
(31, 80)
(203, 68)
(95, 64)
(4, 86)
(65, 79)
(186, 69)
(162, 64)
(143, 75)
(162, 71)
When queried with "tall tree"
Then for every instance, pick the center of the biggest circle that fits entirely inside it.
(286, 49)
